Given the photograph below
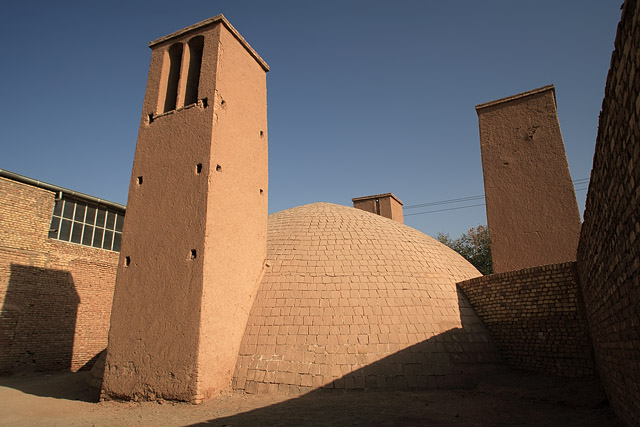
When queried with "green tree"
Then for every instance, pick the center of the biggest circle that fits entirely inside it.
(474, 246)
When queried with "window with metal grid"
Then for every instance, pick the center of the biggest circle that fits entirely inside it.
(78, 222)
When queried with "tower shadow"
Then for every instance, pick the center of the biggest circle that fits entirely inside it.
(38, 320)
(37, 326)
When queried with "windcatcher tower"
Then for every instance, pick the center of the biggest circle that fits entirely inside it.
(194, 241)
(532, 210)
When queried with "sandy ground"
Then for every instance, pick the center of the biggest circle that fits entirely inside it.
(63, 399)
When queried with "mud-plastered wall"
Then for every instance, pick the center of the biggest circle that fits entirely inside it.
(609, 249)
(55, 297)
(535, 319)
(532, 212)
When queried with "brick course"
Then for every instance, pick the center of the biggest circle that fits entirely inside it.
(535, 318)
(352, 300)
(55, 296)
(609, 248)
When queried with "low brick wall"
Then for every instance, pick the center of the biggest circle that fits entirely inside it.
(535, 319)
(55, 297)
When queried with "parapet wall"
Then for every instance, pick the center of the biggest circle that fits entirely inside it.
(55, 297)
(609, 249)
(535, 319)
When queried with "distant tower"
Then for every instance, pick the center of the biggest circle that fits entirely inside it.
(532, 211)
(386, 205)
(194, 241)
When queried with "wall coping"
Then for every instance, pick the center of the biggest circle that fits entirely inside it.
(517, 96)
(514, 273)
(377, 196)
(210, 22)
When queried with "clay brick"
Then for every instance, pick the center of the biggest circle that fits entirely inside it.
(609, 250)
(534, 318)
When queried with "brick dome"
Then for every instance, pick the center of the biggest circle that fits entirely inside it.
(350, 299)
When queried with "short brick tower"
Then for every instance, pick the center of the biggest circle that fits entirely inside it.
(532, 210)
(194, 242)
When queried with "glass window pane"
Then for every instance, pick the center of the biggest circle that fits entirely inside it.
(76, 234)
(108, 236)
(111, 219)
(79, 216)
(119, 222)
(53, 228)
(100, 218)
(117, 237)
(88, 234)
(97, 238)
(57, 208)
(65, 230)
(68, 209)
(91, 215)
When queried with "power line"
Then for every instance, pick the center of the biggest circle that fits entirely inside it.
(448, 209)
(576, 183)
(444, 202)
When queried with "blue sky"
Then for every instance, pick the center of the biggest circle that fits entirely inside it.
(364, 97)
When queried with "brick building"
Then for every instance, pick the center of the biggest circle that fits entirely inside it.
(58, 257)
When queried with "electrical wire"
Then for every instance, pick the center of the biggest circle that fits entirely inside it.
(442, 210)
(576, 183)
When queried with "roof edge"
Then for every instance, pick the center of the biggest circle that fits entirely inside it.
(377, 196)
(212, 21)
(51, 187)
(517, 96)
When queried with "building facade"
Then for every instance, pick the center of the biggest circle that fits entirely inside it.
(58, 257)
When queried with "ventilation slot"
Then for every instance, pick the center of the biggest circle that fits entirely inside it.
(175, 59)
(196, 45)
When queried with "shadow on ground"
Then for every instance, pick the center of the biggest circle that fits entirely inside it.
(58, 385)
(505, 400)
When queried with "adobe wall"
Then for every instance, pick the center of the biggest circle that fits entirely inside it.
(535, 319)
(609, 249)
(532, 212)
(55, 296)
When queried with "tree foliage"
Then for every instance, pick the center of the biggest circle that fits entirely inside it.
(474, 246)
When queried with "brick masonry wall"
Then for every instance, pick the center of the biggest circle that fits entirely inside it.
(535, 318)
(55, 297)
(609, 249)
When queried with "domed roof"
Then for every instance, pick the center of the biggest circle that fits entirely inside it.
(350, 299)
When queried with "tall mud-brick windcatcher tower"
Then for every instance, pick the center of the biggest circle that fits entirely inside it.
(532, 211)
(194, 243)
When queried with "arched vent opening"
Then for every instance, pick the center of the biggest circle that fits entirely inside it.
(175, 59)
(196, 46)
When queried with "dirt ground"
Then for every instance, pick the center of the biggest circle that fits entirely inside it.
(64, 399)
